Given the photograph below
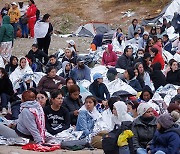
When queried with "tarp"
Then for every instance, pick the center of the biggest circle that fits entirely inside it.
(92, 28)
(167, 12)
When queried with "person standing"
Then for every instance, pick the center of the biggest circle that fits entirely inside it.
(31, 15)
(14, 14)
(6, 39)
(5, 10)
(43, 30)
(23, 20)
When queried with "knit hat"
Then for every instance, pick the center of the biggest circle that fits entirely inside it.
(145, 33)
(165, 120)
(131, 73)
(142, 108)
(97, 76)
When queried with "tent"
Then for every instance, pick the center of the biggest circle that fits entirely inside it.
(168, 13)
(90, 29)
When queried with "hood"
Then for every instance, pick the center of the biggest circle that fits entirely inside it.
(121, 109)
(110, 48)
(98, 40)
(64, 65)
(146, 88)
(156, 67)
(6, 20)
(30, 104)
(175, 128)
(158, 44)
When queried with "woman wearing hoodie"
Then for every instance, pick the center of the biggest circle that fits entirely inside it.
(173, 76)
(12, 65)
(119, 44)
(156, 57)
(97, 42)
(69, 56)
(143, 128)
(67, 70)
(6, 39)
(166, 139)
(129, 78)
(146, 94)
(31, 121)
(109, 57)
(31, 15)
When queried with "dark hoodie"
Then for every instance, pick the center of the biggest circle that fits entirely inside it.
(157, 77)
(98, 40)
(146, 89)
(168, 141)
(6, 31)
(10, 67)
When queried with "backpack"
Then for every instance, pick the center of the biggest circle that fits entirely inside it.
(109, 141)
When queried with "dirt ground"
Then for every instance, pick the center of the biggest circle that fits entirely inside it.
(18, 150)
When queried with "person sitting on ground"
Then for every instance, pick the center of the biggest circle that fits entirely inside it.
(73, 102)
(53, 61)
(176, 44)
(32, 63)
(118, 31)
(133, 28)
(143, 41)
(174, 111)
(97, 42)
(166, 139)
(132, 108)
(31, 121)
(143, 127)
(156, 57)
(42, 98)
(98, 89)
(157, 76)
(112, 74)
(125, 60)
(12, 65)
(50, 81)
(69, 81)
(82, 71)
(173, 76)
(159, 33)
(118, 44)
(6, 90)
(21, 76)
(67, 70)
(38, 55)
(158, 45)
(109, 57)
(153, 32)
(56, 116)
(139, 54)
(134, 41)
(72, 46)
(167, 44)
(69, 56)
(150, 43)
(146, 94)
(129, 78)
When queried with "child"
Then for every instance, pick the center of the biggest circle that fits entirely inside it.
(57, 117)
(166, 139)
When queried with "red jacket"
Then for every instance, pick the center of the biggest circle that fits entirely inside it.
(31, 11)
(158, 46)
(109, 58)
(159, 59)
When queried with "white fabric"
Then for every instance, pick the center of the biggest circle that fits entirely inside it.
(2, 62)
(23, 10)
(107, 118)
(117, 47)
(41, 29)
(121, 109)
(118, 84)
(17, 75)
(6, 50)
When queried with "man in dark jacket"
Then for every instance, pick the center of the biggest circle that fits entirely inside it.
(54, 62)
(125, 61)
(38, 54)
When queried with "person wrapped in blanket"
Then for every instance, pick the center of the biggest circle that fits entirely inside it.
(22, 76)
(31, 121)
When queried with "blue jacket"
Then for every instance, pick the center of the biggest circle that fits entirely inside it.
(168, 46)
(168, 142)
(134, 83)
(82, 74)
(85, 123)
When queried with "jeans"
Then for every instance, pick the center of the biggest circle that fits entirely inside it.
(141, 151)
(4, 99)
(15, 25)
(124, 150)
(24, 29)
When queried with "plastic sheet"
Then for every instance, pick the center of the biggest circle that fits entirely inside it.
(13, 141)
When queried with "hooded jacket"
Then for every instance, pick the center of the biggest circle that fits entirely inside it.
(10, 67)
(27, 122)
(109, 58)
(57, 65)
(168, 141)
(124, 62)
(173, 77)
(143, 132)
(65, 74)
(158, 46)
(31, 11)
(158, 59)
(6, 30)
(146, 89)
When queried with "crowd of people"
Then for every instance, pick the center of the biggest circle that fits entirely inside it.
(55, 103)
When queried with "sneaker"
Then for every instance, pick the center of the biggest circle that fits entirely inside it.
(4, 111)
